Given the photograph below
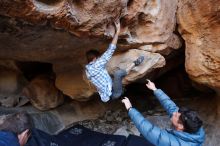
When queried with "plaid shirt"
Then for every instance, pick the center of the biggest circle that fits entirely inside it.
(96, 72)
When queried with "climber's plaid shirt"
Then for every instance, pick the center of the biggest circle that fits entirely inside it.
(97, 73)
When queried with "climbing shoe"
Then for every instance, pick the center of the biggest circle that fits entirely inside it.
(139, 60)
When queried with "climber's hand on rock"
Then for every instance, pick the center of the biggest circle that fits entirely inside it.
(117, 26)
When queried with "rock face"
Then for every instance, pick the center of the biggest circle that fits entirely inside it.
(147, 26)
(199, 24)
(54, 120)
(123, 61)
(152, 23)
(16, 123)
(12, 82)
(143, 21)
(42, 93)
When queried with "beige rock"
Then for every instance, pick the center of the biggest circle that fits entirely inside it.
(199, 24)
(144, 22)
(123, 61)
(42, 93)
(11, 84)
(152, 22)
(78, 17)
(75, 84)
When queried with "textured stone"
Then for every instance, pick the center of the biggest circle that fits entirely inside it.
(199, 25)
(143, 21)
(74, 83)
(12, 82)
(17, 122)
(54, 120)
(151, 23)
(123, 61)
(43, 94)
(122, 131)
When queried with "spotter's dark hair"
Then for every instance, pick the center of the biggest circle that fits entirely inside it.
(190, 120)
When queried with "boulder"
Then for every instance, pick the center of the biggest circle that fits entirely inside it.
(12, 82)
(42, 93)
(199, 25)
(123, 61)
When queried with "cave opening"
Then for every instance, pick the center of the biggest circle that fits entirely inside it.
(31, 69)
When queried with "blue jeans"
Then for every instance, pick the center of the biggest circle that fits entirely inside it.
(117, 88)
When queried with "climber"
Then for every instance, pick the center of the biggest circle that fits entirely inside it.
(188, 127)
(97, 73)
